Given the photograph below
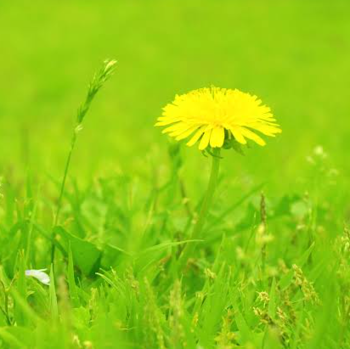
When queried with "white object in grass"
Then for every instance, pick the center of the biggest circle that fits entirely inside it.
(39, 275)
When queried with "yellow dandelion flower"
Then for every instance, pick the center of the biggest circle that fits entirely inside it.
(213, 116)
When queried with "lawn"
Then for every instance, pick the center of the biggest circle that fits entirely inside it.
(270, 268)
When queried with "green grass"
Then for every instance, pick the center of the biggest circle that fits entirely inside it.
(272, 268)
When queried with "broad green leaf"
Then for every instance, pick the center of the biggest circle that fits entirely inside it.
(86, 256)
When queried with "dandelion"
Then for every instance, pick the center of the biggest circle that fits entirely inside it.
(216, 118)
(39, 274)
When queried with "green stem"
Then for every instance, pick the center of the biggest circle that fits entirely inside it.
(95, 85)
(63, 184)
(207, 201)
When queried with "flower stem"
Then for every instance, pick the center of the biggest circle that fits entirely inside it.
(207, 201)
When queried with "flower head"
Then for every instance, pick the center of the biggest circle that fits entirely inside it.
(215, 116)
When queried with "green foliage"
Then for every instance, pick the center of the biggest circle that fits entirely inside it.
(269, 271)
(278, 284)
(86, 256)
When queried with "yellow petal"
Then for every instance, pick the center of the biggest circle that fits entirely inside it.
(251, 135)
(205, 140)
(164, 121)
(217, 137)
(186, 133)
(196, 136)
(268, 130)
(180, 131)
(238, 135)
(178, 127)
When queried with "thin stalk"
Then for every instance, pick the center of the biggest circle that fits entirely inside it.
(95, 85)
(63, 184)
(207, 201)
(30, 232)
(184, 196)
(59, 202)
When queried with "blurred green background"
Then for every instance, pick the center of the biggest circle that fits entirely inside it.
(294, 54)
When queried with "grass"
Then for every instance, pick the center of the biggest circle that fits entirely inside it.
(271, 269)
